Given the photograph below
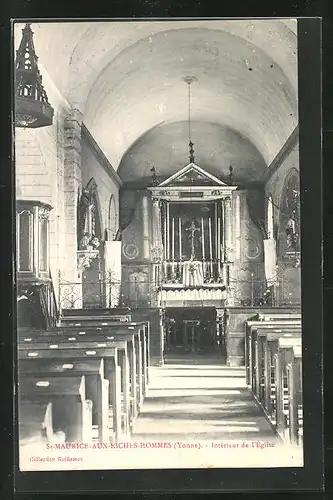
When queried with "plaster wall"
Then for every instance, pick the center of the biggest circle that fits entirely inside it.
(289, 275)
(39, 171)
(95, 165)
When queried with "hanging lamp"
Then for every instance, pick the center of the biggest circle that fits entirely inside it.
(32, 108)
(189, 80)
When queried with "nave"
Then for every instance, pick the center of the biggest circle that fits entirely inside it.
(157, 223)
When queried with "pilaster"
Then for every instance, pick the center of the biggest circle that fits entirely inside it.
(72, 189)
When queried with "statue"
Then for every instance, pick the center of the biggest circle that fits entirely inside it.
(95, 242)
(86, 216)
(291, 234)
(84, 243)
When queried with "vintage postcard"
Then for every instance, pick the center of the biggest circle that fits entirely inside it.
(159, 318)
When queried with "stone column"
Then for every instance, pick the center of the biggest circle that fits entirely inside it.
(228, 229)
(72, 189)
(145, 227)
(229, 253)
(157, 231)
(237, 221)
(157, 248)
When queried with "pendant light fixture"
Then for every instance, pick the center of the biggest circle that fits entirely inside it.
(189, 80)
(32, 108)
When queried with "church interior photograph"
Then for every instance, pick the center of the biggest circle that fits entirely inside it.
(157, 242)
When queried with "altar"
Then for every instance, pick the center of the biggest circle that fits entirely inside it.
(192, 221)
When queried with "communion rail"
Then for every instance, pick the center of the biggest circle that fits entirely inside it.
(138, 292)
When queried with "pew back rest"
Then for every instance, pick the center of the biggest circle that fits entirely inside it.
(116, 311)
(279, 316)
(289, 342)
(62, 368)
(47, 387)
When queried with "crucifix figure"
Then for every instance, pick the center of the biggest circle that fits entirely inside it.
(192, 230)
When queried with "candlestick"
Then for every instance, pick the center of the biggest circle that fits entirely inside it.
(168, 231)
(218, 238)
(180, 237)
(165, 232)
(215, 231)
(223, 232)
(210, 238)
(203, 238)
(219, 247)
(173, 238)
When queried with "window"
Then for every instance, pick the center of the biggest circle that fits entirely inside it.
(112, 220)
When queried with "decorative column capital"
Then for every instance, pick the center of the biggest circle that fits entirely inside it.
(157, 253)
(156, 202)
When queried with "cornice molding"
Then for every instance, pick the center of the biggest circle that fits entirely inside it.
(280, 157)
(86, 135)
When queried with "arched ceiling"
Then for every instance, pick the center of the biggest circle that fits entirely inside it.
(126, 77)
(216, 148)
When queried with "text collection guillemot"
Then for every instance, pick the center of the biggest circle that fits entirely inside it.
(58, 459)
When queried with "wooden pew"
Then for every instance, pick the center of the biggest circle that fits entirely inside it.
(283, 357)
(67, 352)
(267, 346)
(91, 312)
(73, 320)
(295, 396)
(250, 328)
(97, 388)
(141, 338)
(136, 353)
(102, 322)
(260, 358)
(278, 316)
(119, 314)
(71, 412)
(277, 378)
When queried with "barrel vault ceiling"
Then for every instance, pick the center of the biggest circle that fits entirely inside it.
(127, 80)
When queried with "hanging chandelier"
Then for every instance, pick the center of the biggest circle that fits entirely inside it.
(189, 80)
(32, 108)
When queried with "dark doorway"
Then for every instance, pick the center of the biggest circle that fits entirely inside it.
(193, 331)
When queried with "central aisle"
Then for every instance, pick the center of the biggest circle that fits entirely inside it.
(198, 399)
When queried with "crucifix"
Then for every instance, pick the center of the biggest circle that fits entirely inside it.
(192, 230)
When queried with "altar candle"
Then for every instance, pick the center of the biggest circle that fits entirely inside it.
(203, 238)
(180, 238)
(216, 231)
(165, 236)
(218, 238)
(210, 238)
(168, 231)
(173, 238)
